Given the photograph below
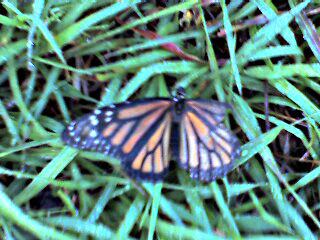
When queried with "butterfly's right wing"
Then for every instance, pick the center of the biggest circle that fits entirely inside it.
(207, 147)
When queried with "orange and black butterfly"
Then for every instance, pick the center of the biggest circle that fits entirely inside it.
(141, 134)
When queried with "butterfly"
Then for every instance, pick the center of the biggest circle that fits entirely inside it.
(141, 133)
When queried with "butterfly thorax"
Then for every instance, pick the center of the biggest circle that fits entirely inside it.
(178, 109)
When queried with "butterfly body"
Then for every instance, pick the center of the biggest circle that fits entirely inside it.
(142, 133)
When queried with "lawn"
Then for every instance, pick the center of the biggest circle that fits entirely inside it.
(62, 59)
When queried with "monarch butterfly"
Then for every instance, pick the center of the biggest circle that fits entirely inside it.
(140, 133)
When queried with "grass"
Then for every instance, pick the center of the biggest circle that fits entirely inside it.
(61, 59)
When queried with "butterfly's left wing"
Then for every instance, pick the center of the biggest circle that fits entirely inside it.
(136, 132)
(207, 147)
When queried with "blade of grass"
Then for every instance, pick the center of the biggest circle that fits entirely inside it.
(225, 210)
(11, 212)
(131, 217)
(196, 204)
(134, 62)
(73, 31)
(166, 11)
(60, 65)
(269, 218)
(27, 146)
(69, 205)
(249, 123)
(309, 32)
(284, 71)
(231, 41)
(299, 224)
(267, 11)
(50, 171)
(145, 73)
(180, 232)
(77, 225)
(50, 38)
(43, 99)
(10, 125)
(12, 49)
(256, 145)
(101, 202)
(268, 33)
(297, 97)
(156, 194)
(307, 179)
(19, 99)
(293, 130)
(278, 51)
(213, 63)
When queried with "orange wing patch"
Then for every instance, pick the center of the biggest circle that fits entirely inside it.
(183, 151)
(153, 158)
(137, 163)
(205, 158)
(202, 130)
(210, 106)
(142, 128)
(109, 129)
(159, 165)
(147, 165)
(166, 142)
(212, 111)
(122, 133)
(154, 140)
(206, 146)
(139, 110)
(192, 144)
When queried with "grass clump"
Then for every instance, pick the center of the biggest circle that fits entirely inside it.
(61, 59)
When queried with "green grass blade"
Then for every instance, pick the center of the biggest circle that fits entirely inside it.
(154, 210)
(52, 170)
(78, 28)
(14, 214)
(77, 225)
(146, 73)
(225, 210)
(231, 46)
(297, 97)
(130, 218)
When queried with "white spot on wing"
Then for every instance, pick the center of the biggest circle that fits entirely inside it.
(95, 122)
(108, 113)
(72, 133)
(97, 111)
(107, 149)
(93, 133)
(108, 119)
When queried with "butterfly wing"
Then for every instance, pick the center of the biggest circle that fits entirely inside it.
(136, 132)
(207, 148)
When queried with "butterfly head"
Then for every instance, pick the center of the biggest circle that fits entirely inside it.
(180, 95)
(179, 103)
